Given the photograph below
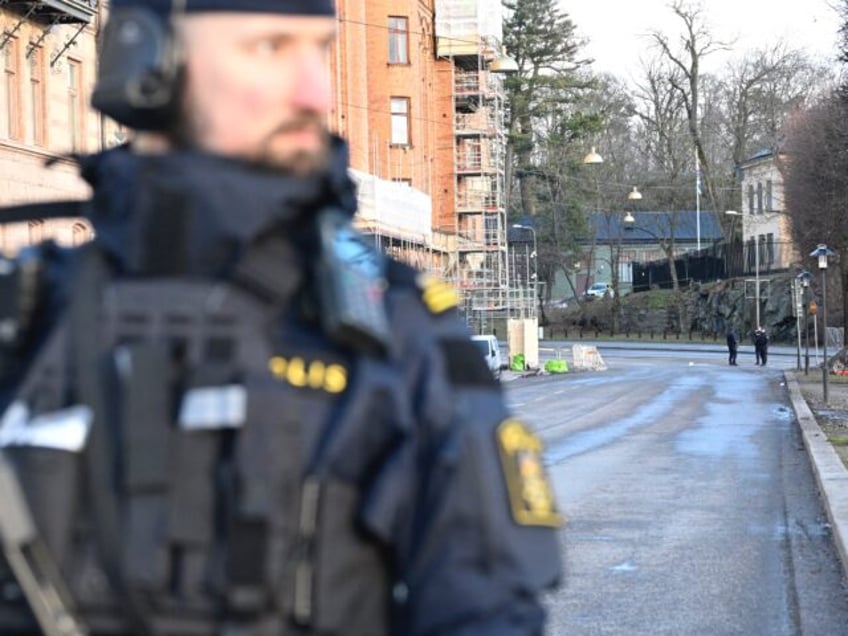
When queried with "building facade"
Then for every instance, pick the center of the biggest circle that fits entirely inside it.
(766, 236)
(48, 56)
(424, 115)
(414, 96)
(385, 82)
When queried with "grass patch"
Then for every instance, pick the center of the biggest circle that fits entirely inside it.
(838, 440)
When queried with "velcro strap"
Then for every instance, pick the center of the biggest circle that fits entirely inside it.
(145, 372)
(66, 429)
(145, 549)
(192, 492)
(268, 460)
(213, 407)
(248, 556)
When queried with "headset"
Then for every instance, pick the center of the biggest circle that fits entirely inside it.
(141, 71)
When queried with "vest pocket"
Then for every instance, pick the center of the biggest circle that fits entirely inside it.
(351, 575)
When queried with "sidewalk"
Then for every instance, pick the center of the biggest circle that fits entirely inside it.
(830, 472)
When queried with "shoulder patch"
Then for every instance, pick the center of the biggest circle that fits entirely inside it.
(531, 496)
(437, 295)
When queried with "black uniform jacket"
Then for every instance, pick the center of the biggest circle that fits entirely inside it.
(332, 489)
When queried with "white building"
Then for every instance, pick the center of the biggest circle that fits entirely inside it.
(764, 219)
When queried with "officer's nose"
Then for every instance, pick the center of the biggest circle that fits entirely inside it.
(312, 92)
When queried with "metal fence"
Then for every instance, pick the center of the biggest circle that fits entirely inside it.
(718, 261)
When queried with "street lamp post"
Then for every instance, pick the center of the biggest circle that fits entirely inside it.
(822, 252)
(805, 278)
(593, 158)
(532, 281)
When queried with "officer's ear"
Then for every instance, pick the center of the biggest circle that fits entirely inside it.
(140, 78)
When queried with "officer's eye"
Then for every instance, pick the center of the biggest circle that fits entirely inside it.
(270, 46)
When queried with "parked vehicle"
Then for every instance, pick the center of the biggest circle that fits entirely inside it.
(491, 350)
(600, 290)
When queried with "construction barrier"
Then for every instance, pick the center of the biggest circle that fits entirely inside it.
(556, 366)
(587, 358)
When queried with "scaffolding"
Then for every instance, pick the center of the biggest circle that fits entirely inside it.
(468, 35)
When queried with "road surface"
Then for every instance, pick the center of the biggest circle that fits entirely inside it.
(690, 500)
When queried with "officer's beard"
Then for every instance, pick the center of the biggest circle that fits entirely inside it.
(270, 154)
(298, 161)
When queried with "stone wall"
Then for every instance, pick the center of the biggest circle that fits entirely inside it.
(710, 309)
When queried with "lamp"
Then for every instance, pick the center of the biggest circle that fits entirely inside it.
(503, 63)
(804, 278)
(593, 157)
(634, 194)
(821, 253)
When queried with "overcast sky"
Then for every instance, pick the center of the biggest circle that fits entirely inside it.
(613, 28)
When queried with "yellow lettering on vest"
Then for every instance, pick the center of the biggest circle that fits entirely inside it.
(316, 374)
(277, 367)
(335, 379)
(296, 374)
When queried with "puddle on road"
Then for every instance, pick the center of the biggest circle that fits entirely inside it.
(727, 430)
(648, 414)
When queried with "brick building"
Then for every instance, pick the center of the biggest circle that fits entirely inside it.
(47, 53)
(413, 96)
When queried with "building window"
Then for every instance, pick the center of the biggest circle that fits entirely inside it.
(398, 40)
(750, 199)
(769, 206)
(36, 232)
(11, 87)
(760, 197)
(76, 106)
(770, 249)
(37, 94)
(400, 121)
(751, 254)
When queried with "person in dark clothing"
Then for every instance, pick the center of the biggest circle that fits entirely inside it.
(236, 415)
(761, 346)
(732, 346)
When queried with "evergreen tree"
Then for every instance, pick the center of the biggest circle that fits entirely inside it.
(545, 120)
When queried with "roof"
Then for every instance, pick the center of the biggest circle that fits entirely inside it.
(653, 225)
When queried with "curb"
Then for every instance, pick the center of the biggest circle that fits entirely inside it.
(831, 474)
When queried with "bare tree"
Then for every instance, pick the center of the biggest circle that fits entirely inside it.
(762, 89)
(816, 180)
(664, 139)
(685, 56)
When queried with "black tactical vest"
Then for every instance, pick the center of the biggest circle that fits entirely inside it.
(201, 460)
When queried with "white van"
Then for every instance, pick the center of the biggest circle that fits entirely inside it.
(491, 350)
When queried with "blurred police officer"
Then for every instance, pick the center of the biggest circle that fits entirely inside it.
(732, 347)
(228, 414)
(761, 346)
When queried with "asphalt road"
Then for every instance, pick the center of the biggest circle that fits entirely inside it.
(690, 500)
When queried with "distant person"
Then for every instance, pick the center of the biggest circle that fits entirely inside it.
(763, 344)
(732, 347)
(760, 346)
